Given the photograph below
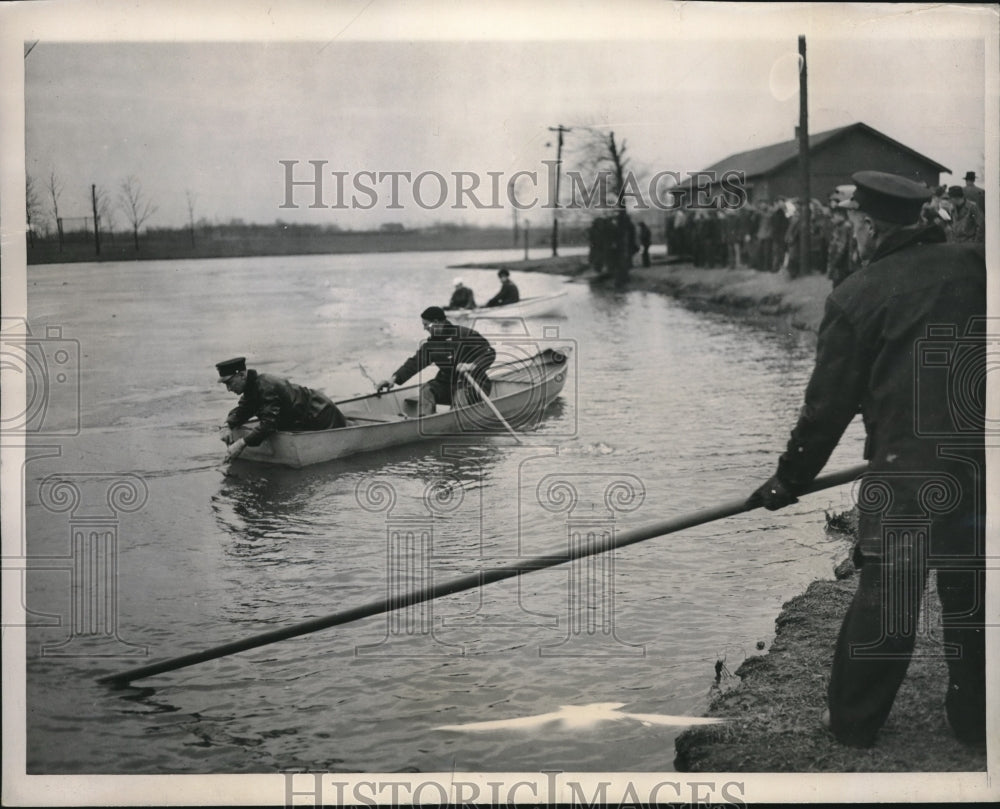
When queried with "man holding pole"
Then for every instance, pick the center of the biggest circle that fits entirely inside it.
(903, 342)
(456, 350)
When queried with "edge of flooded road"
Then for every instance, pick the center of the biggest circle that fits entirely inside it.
(774, 702)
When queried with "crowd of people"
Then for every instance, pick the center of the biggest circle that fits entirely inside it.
(766, 235)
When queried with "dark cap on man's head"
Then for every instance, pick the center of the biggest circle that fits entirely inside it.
(970, 175)
(888, 197)
(228, 368)
(956, 191)
(504, 273)
(433, 313)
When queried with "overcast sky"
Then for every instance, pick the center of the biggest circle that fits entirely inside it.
(215, 118)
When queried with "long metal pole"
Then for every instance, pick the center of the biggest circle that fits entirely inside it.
(97, 221)
(465, 583)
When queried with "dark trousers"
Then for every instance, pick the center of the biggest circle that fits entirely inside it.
(877, 639)
(328, 418)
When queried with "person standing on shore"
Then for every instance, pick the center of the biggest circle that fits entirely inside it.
(966, 218)
(456, 350)
(508, 291)
(974, 193)
(896, 339)
(645, 241)
(276, 403)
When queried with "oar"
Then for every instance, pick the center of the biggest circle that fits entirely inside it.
(493, 407)
(464, 583)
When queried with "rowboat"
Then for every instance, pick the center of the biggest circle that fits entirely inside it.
(540, 306)
(522, 389)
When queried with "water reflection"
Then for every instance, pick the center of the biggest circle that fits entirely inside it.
(265, 508)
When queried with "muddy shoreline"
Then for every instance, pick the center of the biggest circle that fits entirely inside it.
(774, 701)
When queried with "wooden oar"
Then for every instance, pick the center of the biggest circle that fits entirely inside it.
(613, 540)
(493, 407)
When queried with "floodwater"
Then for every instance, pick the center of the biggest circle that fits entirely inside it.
(666, 411)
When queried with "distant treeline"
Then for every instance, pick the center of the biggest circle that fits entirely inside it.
(279, 239)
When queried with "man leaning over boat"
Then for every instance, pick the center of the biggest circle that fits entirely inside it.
(456, 350)
(277, 404)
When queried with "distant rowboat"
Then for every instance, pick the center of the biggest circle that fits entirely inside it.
(540, 306)
(522, 389)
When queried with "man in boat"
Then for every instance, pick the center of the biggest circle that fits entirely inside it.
(456, 350)
(508, 291)
(462, 297)
(903, 342)
(277, 403)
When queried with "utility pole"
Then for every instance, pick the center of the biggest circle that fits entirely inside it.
(555, 211)
(97, 225)
(805, 214)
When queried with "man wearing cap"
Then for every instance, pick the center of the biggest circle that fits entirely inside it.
(456, 350)
(508, 291)
(974, 193)
(902, 342)
(966, 218)
(462, 297)
(277, 403)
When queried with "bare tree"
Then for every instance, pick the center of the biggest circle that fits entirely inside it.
(32, 208)
(55, 189)
(604, 159)
(136, 206)
(191, 198)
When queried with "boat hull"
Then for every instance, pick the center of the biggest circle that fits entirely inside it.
(541, 306)
(521, 392)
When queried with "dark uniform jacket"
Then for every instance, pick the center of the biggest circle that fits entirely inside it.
(281, 405)
(902, 341)
(446, 347)
(462, 298)
(508, 294)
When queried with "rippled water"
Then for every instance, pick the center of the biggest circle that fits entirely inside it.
(688, 409)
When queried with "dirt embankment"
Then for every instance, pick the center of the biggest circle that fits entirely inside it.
(771, 297)
(774, 702)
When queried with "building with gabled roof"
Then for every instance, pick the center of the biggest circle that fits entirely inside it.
(773, 171)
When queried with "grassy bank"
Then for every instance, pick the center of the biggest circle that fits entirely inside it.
(774, 702)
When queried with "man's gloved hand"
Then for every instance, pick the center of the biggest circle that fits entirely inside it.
(465, 366)
(226, 434)
(235, 449)
(772, 495)
(384, 386)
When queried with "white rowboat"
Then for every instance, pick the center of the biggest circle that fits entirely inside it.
(522, 390)
(540, 306)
